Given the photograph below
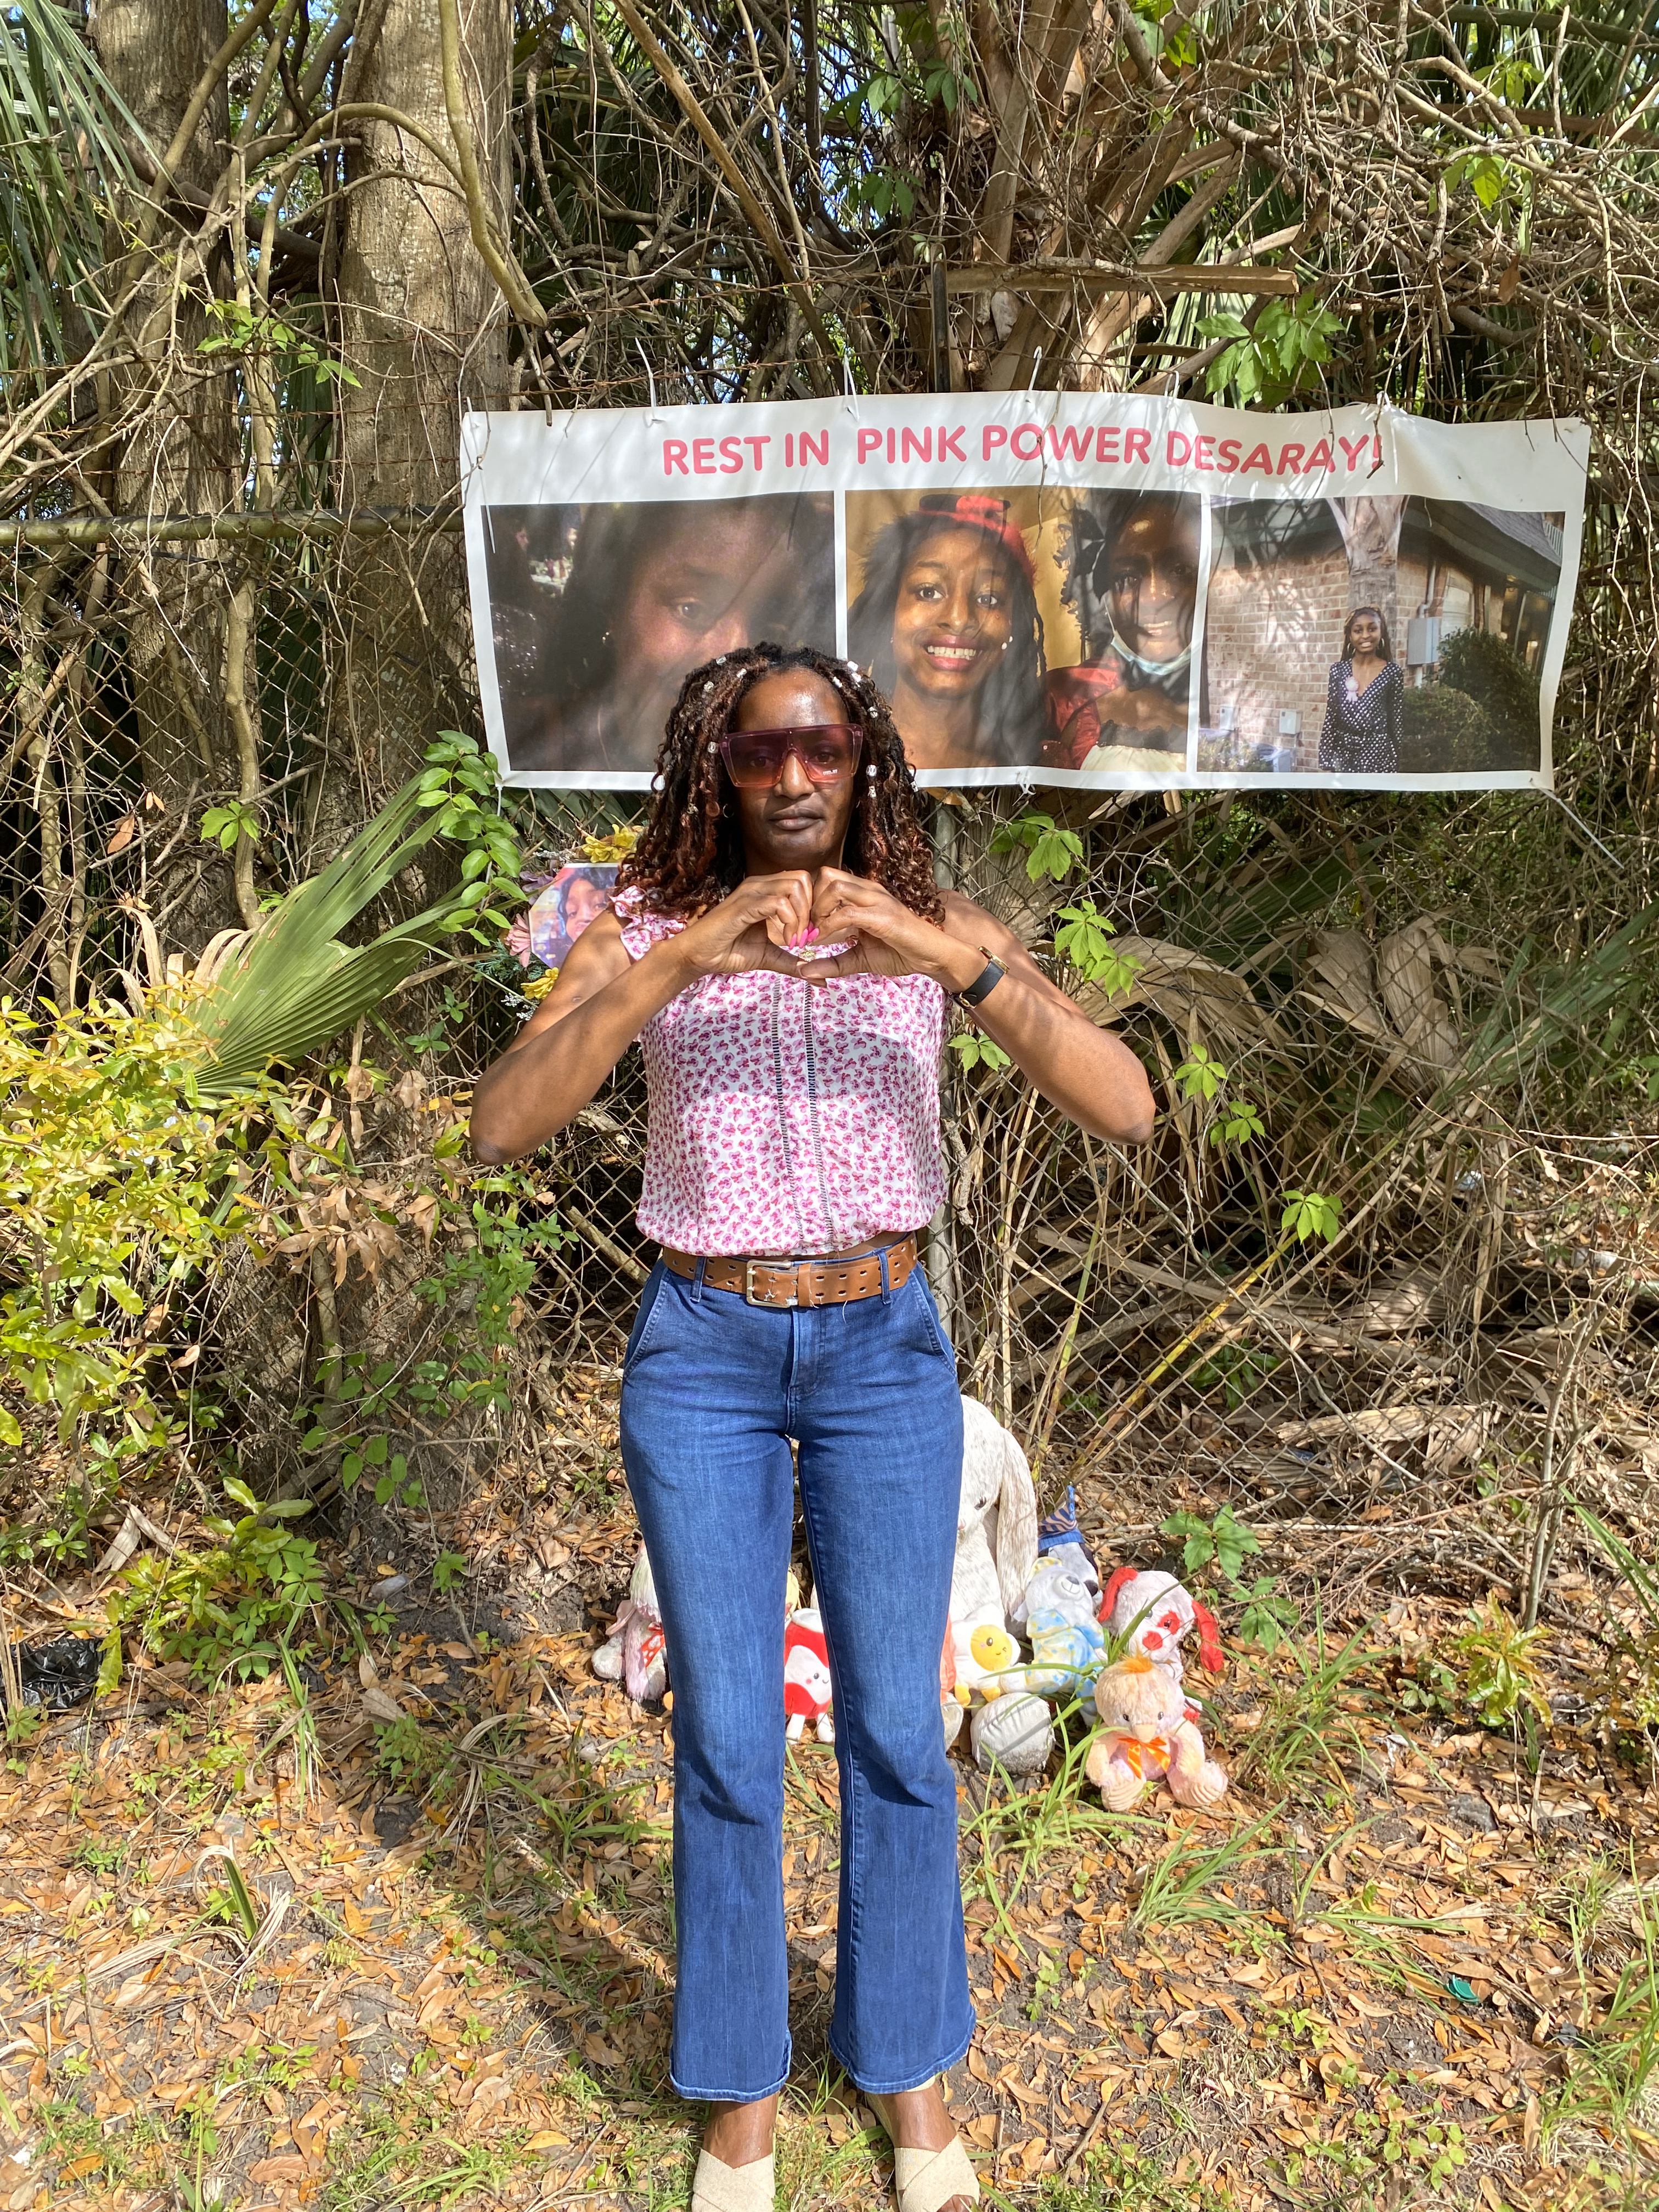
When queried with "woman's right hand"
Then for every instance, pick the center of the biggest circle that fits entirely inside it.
(753, 927)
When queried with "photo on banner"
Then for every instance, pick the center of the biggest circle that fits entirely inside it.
(1376, 636)
(1029, 627)
(599, 611)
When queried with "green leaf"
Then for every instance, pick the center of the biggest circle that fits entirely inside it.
(974, 1049)
(1234, 1542)
(1199, 1076)
(1309, 1213)
(10, 1431)
(1238, 1121)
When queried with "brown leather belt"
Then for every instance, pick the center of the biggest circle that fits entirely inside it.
(789, 1283)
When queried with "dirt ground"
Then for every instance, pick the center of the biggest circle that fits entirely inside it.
(1397, 1967)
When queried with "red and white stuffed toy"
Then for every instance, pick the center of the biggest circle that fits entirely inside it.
(1153, 1613)
(806, 1676)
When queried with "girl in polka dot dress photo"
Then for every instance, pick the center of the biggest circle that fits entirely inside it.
(1365, 700)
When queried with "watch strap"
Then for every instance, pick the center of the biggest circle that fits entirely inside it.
(984, 983)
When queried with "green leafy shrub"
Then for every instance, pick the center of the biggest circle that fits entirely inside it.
(484, 1270)
(1443, 731)
(117, 1179)
(1492, 674)
(232, 1604)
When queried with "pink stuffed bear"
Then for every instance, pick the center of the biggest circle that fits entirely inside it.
(806, 1676)
(1149, 1731)
(1153, 1613)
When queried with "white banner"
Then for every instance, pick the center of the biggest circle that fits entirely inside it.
(1106, 590)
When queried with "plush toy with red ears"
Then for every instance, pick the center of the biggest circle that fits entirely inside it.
(1150, 1613)
(806, 1676)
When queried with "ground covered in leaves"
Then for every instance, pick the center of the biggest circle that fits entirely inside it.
(405, 1939)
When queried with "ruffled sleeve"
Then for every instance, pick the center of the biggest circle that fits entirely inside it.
(642, 929)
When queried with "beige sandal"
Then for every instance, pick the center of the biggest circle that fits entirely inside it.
(927, 2179)
(717, 2187)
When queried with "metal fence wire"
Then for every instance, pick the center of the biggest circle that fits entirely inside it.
(1379, 1280)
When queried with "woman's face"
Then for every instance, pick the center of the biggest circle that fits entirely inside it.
(1152, 581)
(691, 596)
(954, 615)
(584, 902)
(797, 823)
(1366, 637)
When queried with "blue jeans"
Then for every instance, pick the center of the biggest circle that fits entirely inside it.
(712, 1390)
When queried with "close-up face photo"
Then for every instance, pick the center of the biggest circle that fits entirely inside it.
(599, 611)
(946, 612)
(1135, 570)
(953, 617)
(1152, 580)
(695, 592)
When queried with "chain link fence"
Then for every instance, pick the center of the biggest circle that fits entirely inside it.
(1378, 1284)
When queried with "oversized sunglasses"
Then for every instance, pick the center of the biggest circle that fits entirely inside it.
(828, 751)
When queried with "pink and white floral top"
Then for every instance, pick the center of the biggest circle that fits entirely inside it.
(787, 1119)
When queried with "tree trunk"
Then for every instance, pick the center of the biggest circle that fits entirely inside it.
(182, 453)
(424, 329)
(1370, 534)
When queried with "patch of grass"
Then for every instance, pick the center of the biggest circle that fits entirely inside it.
(1182, 1886)
(1016, 1830)
(1377, 1937)
(1413, 2151)
(1612, 2080)
(397, 2151)
(1296, 1750)
(1116, 2176)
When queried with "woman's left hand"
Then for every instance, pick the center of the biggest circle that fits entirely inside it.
(886, 939)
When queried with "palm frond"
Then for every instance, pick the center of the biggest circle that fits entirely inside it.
(293, 985)
(64, 137)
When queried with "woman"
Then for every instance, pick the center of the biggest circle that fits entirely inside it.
(1134, 586)
(1364, 700)
(947, 623)
(781, 950)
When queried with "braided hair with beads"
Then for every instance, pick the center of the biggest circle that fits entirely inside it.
(691, 853)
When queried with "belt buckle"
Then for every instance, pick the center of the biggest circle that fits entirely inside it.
(769, 1304)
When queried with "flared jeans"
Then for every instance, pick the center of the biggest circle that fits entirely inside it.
(714, 1390)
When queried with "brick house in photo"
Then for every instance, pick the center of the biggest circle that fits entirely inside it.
(1285, 573)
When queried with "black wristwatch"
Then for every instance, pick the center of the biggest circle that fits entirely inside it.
(984, 983)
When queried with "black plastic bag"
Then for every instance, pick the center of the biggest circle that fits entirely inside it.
(57, 1674)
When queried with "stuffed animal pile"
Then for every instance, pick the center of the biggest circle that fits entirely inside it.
(1014, 1578)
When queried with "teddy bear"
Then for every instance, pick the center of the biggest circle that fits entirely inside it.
(1066, 1654)
(996, 1552)
(806, 1676)
(635, 1652)
(1148, 1730)
(1151, 1612)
